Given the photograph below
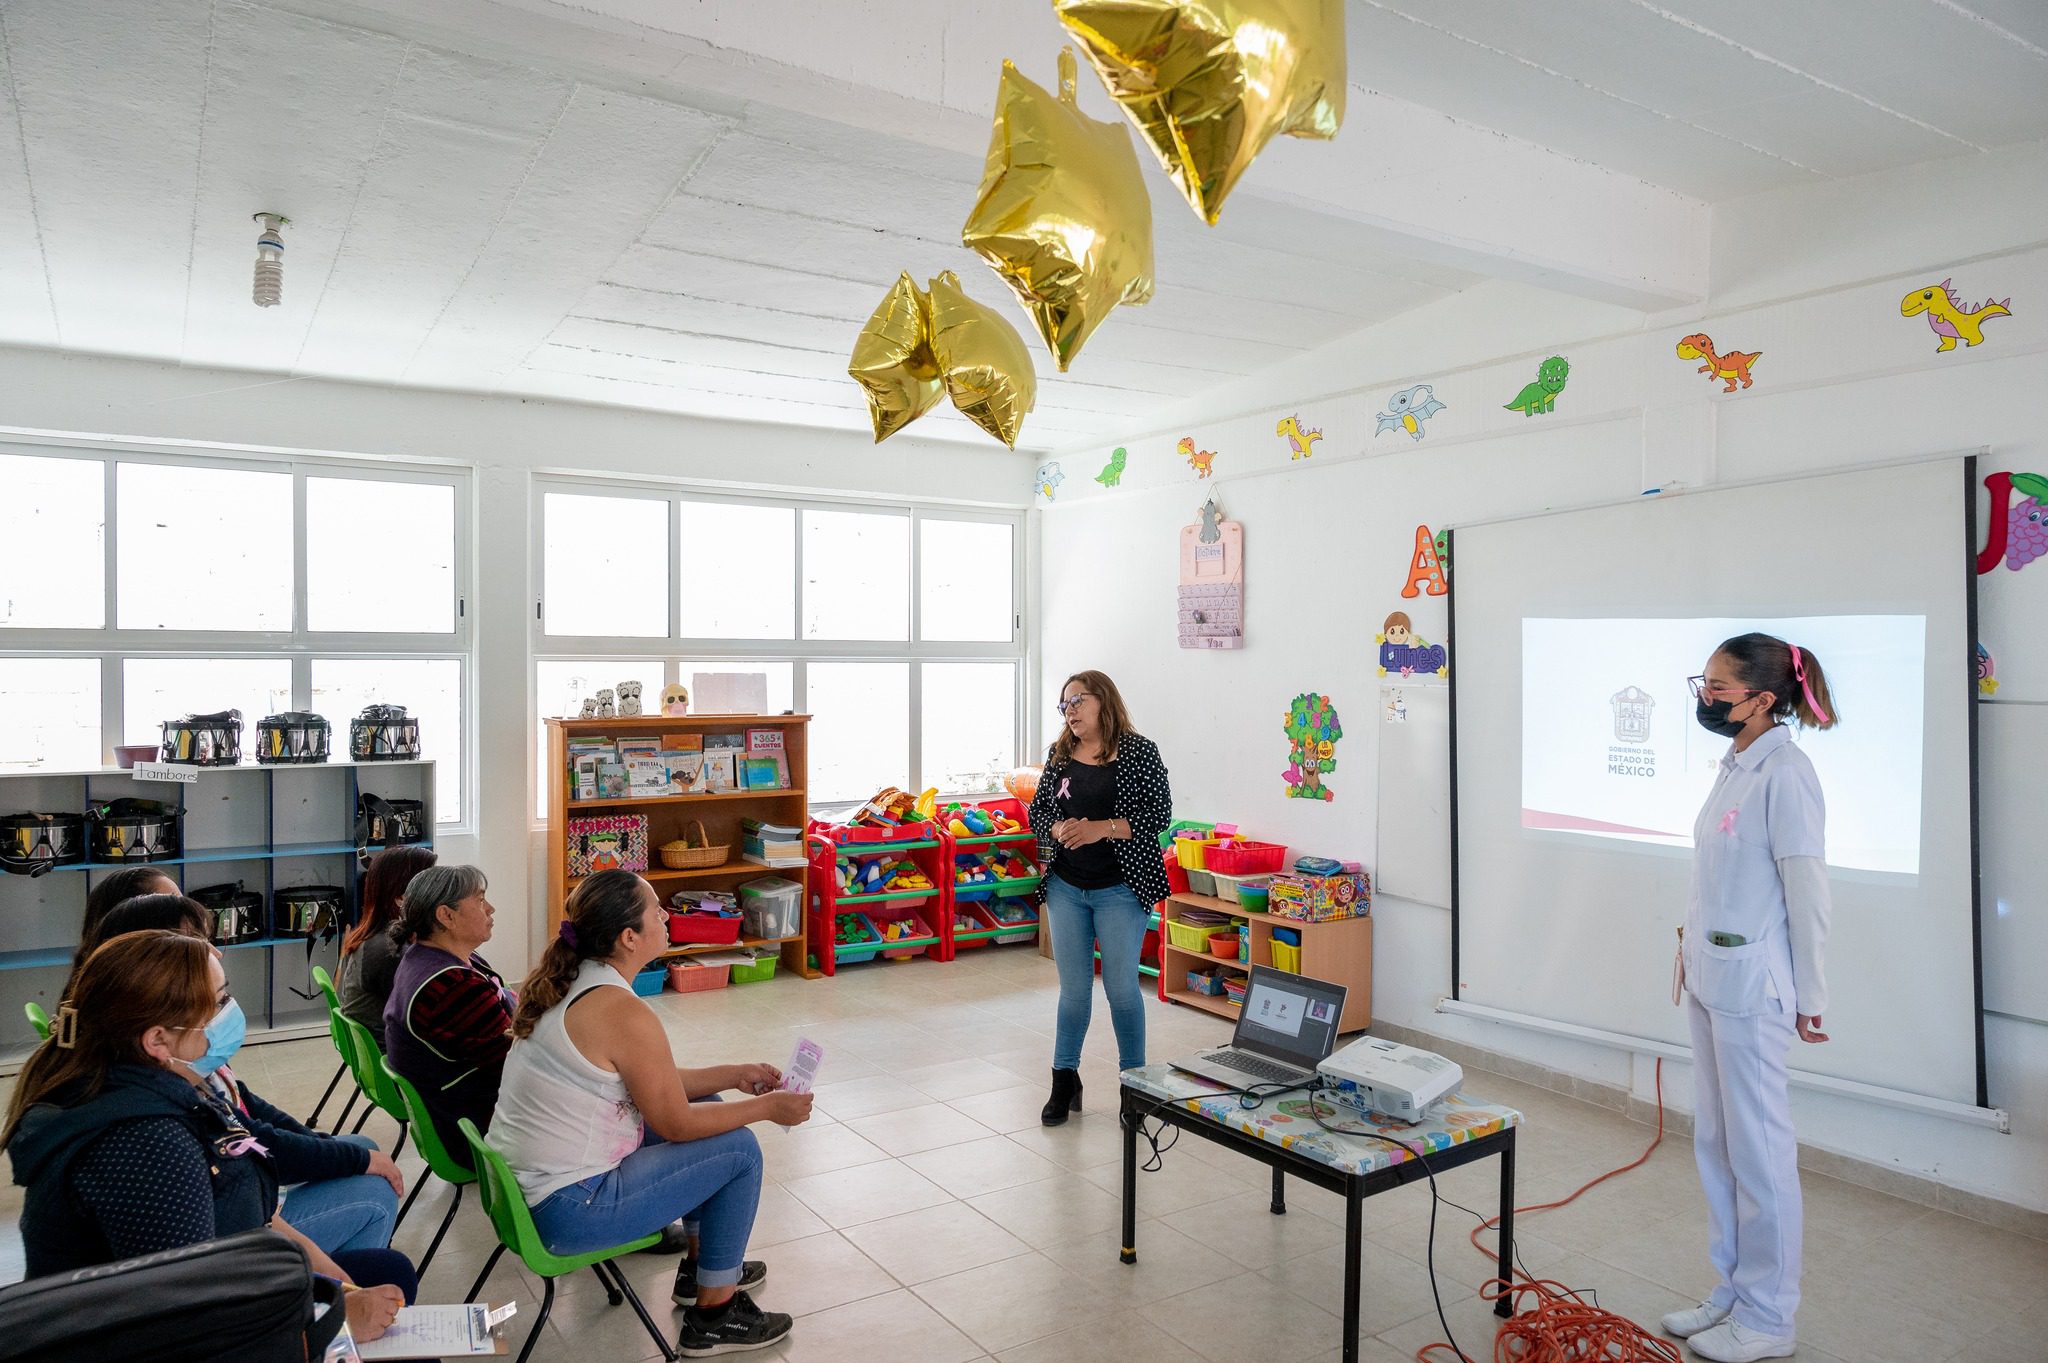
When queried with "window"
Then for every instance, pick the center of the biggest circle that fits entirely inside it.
(562, 685)
(258, 585)
(53, 566)
(49, 713)
(895, 626)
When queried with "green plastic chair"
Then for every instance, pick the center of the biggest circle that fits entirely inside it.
(440, 1161)
(37, 1019)
(513, 1222)
(342, 1048)
(371, 1077)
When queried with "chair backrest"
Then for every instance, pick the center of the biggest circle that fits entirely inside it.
(37, 1019)
(367, 1064)
(503, 1202)
(440, 1159)
(326, 983)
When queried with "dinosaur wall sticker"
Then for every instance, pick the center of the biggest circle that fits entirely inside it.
(1113, 472)
(1948, 317)
(1046, 483)
(1407, 410)
(1201, 461)
(1300, 439)
(1731, 368)
(1541, 396)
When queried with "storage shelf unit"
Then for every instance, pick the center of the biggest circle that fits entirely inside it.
(672, 816)
(982, 899)
(1338, 951)
(823, 902)
(271, 827)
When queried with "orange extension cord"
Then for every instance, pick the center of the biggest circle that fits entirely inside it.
(1560, 1326)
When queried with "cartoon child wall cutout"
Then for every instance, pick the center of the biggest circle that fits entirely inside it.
(1405, 652)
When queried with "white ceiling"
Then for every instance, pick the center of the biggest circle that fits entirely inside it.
(693, 207)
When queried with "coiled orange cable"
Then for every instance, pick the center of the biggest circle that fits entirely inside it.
(1559, 1325)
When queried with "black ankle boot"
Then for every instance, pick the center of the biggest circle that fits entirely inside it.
(1066, 1097)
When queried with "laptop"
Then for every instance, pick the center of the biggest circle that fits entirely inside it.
(1287, 1026)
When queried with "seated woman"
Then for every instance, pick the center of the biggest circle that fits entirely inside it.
(610, 1140)
(448, 1022)
(369, 956)
(343, 1191)
(123, 1148)
(117, 887)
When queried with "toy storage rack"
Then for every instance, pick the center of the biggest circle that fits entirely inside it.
(1339, 951)
(920, 843)
(671, 816)
(1019, 887)
(217, 791)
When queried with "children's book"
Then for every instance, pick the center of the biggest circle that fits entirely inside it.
(612, 781)
(765, 772)
(685, 773)
(721, 772)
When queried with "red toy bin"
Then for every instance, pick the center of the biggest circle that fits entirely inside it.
(702, 929)
(922, 917)
(849, 837)
(1245, 858)
(1176, 874)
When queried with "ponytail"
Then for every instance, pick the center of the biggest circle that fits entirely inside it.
(599, 911)
(1791, 674)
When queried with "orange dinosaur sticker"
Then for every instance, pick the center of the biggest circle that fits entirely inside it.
(1731, 368)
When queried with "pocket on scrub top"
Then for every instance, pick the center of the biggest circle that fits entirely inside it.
(1733, 980)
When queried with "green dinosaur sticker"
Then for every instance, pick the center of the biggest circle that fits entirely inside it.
(1541, 396)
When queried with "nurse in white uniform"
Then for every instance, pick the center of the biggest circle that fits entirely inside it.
(1755, 930)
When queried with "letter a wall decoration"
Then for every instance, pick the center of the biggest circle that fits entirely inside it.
(1425, 569)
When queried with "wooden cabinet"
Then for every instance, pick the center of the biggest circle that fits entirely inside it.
(1339, 951)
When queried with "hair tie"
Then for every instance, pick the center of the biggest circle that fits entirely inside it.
(567, 933)
(1799, 671)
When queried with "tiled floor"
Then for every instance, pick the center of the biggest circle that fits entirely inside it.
(924, 1216)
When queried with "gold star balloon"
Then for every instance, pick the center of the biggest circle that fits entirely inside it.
(986, 365)
(893, 360)
(1209, 82)
(1062, 215)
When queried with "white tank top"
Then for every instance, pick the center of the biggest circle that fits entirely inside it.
(561, 1119)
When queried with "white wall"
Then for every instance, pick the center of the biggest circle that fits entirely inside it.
(1811, 278)
(505, 440)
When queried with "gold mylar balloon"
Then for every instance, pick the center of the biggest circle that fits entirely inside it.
(1063, 215)
(987, 367)
(893, 359)
(1210, 82)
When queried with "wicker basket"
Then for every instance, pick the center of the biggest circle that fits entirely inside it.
(681, 856)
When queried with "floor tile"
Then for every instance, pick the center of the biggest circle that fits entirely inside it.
(918, 1246)
(1168, 1263)
(1110, 1339)
(855, 1098)
(1245, 1317)
(896, 1328)
(911, 1129)
(1048, 1212)
(982, 1166)
(1002, 1305)
(869, 1192)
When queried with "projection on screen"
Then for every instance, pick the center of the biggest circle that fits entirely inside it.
(1611, 750)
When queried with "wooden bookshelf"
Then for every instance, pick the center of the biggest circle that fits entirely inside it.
(674, 816)
(1339, 951)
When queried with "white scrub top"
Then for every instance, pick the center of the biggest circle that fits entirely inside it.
(1766, 805)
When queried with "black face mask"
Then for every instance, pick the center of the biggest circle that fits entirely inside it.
(1713, 717)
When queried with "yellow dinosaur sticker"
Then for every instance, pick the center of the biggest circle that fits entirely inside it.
(1948, 316)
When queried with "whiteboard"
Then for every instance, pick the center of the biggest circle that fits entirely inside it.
(1415, 793)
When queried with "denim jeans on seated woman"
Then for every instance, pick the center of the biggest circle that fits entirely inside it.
(1084, 921)
(714, 1182)
(342, 1214)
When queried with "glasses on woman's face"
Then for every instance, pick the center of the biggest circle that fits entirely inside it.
(1072, 702)
(1702, 689)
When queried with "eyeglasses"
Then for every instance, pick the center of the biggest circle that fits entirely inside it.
(1063, 706)
(1702, 689)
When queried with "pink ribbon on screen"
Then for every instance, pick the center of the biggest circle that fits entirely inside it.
(1799, 671)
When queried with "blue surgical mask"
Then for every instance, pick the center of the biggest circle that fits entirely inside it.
(223, 1038)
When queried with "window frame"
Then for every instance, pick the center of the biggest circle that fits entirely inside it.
(678, 653)
(112, 645)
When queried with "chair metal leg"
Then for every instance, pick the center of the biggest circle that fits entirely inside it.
(489, 1264)
(314, 1120)
(611, 1290)
(404, 1130)
(446, 1221)
(410, 1198)
(346, 1108)
(547, 1304)
(368, 1108)
(653, 1330)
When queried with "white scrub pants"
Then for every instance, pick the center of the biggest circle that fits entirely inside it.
(1749, 1163)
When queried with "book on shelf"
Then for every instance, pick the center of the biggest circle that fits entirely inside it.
(749, 853)
(647, 776)
(765, 771)
(683, 742)
(685, 772)
(762, 828)
(613, 781)
(725, 743)
(768, 844)
(721, 773)
(764, 740)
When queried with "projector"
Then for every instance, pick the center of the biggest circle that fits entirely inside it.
(1389, 1078)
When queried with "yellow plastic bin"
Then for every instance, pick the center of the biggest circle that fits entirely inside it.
(1286, 958)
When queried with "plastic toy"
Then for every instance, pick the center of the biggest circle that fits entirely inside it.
(926, 803)
(850, 929)
(887, 809)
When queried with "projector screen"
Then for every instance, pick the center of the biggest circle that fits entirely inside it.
(1580, 768)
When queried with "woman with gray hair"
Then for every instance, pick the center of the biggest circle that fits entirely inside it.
(447, 1024)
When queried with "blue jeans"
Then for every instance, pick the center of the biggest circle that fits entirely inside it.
(1082, 921)
(714, 1182)
(343, 1214)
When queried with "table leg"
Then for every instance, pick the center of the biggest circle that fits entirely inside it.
(1130, 1125)
(1279, 1192)
(1506, 1305)
(1354, 1265)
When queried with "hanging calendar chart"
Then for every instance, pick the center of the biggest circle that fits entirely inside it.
(1212, 582)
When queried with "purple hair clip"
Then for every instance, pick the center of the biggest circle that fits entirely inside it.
(567, 932)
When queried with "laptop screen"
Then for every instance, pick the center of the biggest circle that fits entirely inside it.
(1289, 1017)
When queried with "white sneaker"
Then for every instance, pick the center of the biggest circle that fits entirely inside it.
(1732, 1343)
(1685, 1324)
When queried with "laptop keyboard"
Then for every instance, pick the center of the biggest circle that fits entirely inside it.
(1252, 1065)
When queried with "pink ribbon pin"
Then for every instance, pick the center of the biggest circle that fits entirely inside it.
(1728, 820)
(1063, 787)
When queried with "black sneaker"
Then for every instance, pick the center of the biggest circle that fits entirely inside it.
(752, 1274)
(737, 1326)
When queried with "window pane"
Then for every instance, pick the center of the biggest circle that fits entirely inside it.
(53, 566)
(203, 548)
(380, 557)
(430, 689)
(964, 591)
(156, 689)
(605, 565)
(739, 571)
(50, 713)
(970, 725)
(781, 685)
(860, 738)
(856, 575)
(560, 687)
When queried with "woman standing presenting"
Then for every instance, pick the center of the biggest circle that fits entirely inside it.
(1755, 928)
(1101, 805)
